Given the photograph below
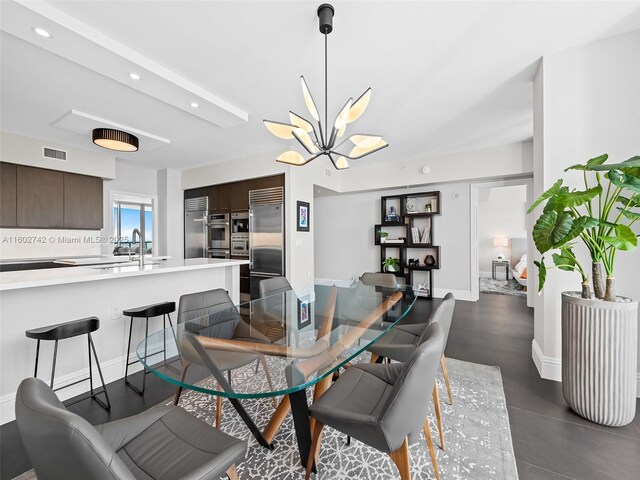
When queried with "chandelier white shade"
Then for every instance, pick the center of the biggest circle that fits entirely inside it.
(326, 140)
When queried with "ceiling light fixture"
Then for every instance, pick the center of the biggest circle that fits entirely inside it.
(134, 76)
(115, 140)
(42, 32)
(194, 105)
(322, 142)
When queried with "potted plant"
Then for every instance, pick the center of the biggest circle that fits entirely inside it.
(391, 265)
(383, 236)
(599, 329)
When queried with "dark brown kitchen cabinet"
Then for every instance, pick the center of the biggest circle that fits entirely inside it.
(82, 202)
(40, 197)
(8, 195)
(219, 197)
(239, 197)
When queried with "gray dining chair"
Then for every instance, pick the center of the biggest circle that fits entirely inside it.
(161, 443)
(382, 404)
(272, 286)
(225, 322)
(399, 343)
(379, 279)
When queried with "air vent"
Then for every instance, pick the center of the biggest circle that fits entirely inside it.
(196, 204)
(54, 154)
(266, 196)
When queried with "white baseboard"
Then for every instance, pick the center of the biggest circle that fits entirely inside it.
(112, 370)
(459, 294)
(548, 367)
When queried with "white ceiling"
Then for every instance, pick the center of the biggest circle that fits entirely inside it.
(446, 76)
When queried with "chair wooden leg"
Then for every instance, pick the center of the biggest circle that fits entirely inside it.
(432, 453)
(374, 358)
(443, 363)
(218, 408)
(314, 452)
(436, 404)
(232, 473)
(401, 458)
(183, 374)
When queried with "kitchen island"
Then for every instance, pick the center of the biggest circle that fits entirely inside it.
(36, 298)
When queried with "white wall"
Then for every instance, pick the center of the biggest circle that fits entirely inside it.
(344, 236)
(170, 214)
(586, 102)
(501, 213)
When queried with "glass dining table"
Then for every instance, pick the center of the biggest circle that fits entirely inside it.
(281, 346)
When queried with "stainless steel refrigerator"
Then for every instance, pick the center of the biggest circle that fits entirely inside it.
(195, 227)
(266, 236)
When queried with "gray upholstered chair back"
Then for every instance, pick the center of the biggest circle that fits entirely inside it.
(406, 408)
(443, 314)
(194, 305)
(379, 279)
(272, 286)
(61, 444)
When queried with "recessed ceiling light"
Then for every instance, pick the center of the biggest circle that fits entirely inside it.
(42, 32)
(194, 105)
(134, 76)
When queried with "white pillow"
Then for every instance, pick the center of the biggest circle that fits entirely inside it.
(520, 267)
(523, 258)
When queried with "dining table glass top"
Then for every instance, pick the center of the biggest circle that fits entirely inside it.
(275, 345)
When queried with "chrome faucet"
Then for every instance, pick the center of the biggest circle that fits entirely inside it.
(141, 239)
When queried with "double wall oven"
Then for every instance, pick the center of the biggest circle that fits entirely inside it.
(218, 235)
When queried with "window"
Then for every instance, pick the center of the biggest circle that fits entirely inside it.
(130, 213)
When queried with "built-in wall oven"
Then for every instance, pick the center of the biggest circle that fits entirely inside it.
(240, 245)
(218, 253)
(218, 224)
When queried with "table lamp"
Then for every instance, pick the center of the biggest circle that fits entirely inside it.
(500, 242)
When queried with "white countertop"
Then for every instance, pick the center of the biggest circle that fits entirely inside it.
(58, 276)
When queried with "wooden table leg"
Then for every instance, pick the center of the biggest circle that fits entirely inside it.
(277, 418)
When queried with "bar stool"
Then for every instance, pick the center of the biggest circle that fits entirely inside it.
(155, 310)
(75, 328)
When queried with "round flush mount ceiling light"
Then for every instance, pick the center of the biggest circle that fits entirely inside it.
(134, 76)
(115, 140)
(194, 105)
(42, 32)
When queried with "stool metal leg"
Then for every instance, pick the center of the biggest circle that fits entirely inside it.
(126, 370)
(55, 357)
(35, 372)
(90, 366)
(107, 406)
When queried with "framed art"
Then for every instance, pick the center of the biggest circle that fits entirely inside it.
(304, 314)
(304, 213)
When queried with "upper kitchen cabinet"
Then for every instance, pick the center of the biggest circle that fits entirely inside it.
(219, 197)
(239, 197)
(8, 204)
(40, 197)
(82, 202)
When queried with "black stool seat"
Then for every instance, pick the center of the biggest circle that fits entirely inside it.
(61, 331)
(154, 310)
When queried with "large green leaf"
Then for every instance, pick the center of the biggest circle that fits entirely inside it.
(548, 194)
(633, 216)
(631, 202)
(629, 163)
(577, 198)
(555, 202)
(625, 181)
(550, 229)
(579, 225)
(564, 260)
(591, 163)
(542, 273)
(625, 239)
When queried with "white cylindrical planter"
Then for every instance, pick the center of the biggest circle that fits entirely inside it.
(599, 358)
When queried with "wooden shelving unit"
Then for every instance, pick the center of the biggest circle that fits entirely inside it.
(414, 210)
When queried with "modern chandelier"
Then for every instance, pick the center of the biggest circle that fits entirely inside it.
(322, 142)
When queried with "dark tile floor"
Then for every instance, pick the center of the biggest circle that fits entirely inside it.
(550, 442)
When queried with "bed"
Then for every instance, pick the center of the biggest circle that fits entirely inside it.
(519, 260)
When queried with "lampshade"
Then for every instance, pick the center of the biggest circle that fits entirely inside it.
(115, 140)
(500, 242)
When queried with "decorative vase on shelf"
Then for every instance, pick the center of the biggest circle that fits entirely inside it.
(429, 261)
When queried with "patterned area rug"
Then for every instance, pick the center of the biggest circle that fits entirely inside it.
(477, 435)
(502, 287)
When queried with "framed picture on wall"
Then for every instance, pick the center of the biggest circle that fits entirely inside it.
(304, 314)
(303, 216)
